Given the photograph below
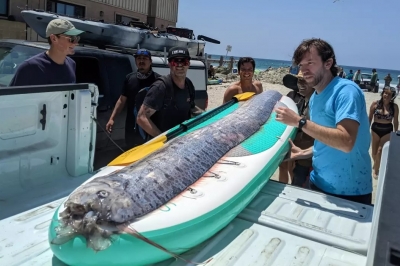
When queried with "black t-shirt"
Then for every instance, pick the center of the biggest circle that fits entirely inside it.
(131, 87)
(42, 70)
(172, 107)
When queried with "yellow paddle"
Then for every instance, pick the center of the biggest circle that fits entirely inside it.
(143, 150)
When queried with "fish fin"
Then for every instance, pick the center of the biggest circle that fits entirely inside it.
(62, 239)
(131, 231)
(98, 242)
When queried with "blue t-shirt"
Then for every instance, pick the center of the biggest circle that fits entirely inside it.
(42, 70)
(335, 171)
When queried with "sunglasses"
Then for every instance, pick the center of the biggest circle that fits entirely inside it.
(71, 39)
(178, 61)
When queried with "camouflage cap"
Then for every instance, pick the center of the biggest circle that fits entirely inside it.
(61, 26)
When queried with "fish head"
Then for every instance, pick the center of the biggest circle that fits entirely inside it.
(94, 211)
(106, 198)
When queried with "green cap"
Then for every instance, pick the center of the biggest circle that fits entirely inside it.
(61, 26)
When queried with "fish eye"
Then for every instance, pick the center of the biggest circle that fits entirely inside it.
(102, 194)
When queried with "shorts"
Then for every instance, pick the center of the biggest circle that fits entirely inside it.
(301, 175)
(364, 199)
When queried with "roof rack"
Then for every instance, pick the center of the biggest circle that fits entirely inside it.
(126, 50)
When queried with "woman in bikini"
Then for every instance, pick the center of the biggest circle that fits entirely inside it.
(384, 113)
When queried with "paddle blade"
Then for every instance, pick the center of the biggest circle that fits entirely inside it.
(139, 152)
(244, 96)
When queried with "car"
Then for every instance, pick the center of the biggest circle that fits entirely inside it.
(106, 69)
(366, 80)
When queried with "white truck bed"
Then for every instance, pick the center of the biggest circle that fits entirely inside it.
(283, 225)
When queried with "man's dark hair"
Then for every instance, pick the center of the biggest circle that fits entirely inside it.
(324, 49)
(243, 60)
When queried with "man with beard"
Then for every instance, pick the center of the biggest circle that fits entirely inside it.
(134, 82)
(170, 99)
(246, 67)
(53, 66)
(338, 123)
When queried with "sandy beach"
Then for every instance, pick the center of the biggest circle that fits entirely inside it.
(216, 93)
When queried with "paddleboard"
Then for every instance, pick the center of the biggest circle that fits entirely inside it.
(202, 210)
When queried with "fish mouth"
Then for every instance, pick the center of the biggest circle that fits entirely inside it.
(79, 220)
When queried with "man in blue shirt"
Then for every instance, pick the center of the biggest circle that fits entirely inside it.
(53, 66)
(338, 123)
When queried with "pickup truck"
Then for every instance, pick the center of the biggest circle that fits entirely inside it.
(45, 139)
(106, 69)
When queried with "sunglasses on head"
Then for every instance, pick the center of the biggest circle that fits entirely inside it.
(71, 39)
(143, 52)
(177, 61)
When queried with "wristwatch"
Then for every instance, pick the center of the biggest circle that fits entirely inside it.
(302, 122)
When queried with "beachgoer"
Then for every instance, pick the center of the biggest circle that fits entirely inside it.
(53, 66)
(385, 114)
(134, 82)
(342, 74)
(339, 125)
(388, 79)
(357, 77)
(211, 72)
(374, 79)
(246, 68)
(350, 75)
(298, 170)
(169, 105)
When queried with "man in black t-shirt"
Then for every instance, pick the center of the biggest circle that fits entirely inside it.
(134, 82)
(167, 104)
(53, 66)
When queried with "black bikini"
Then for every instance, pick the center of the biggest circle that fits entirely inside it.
(382, 129)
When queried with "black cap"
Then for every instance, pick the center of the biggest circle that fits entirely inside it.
(144, 52)
(290, 81)
(178, 52)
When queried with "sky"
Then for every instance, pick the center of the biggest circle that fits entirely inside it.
(363, 33)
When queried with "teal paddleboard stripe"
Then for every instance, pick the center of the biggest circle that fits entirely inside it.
(266, 137)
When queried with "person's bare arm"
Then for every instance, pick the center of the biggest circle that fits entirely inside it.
(342, 137)
(396, 117)
(229, 93)
(298, 154)
(117, 109)
(371, 112)
(259, 87)
(118, 106)
(144, 121)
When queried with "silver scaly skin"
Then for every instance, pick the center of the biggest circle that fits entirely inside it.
(94, 209)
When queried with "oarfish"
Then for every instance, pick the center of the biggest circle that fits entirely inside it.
(96, 209)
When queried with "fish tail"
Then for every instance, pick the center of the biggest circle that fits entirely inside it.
(129, 230)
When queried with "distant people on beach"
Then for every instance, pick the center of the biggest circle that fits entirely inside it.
(385, 114)
(211, 72)
(294, 69)
(374, 79)
(338, 123)
(350, 75)
(357, 77)
(298, 170)
(341, 74)
(246, 67)
(388, 79)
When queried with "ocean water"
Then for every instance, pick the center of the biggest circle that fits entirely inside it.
(263, 64)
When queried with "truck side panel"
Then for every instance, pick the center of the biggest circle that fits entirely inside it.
(45, 140)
